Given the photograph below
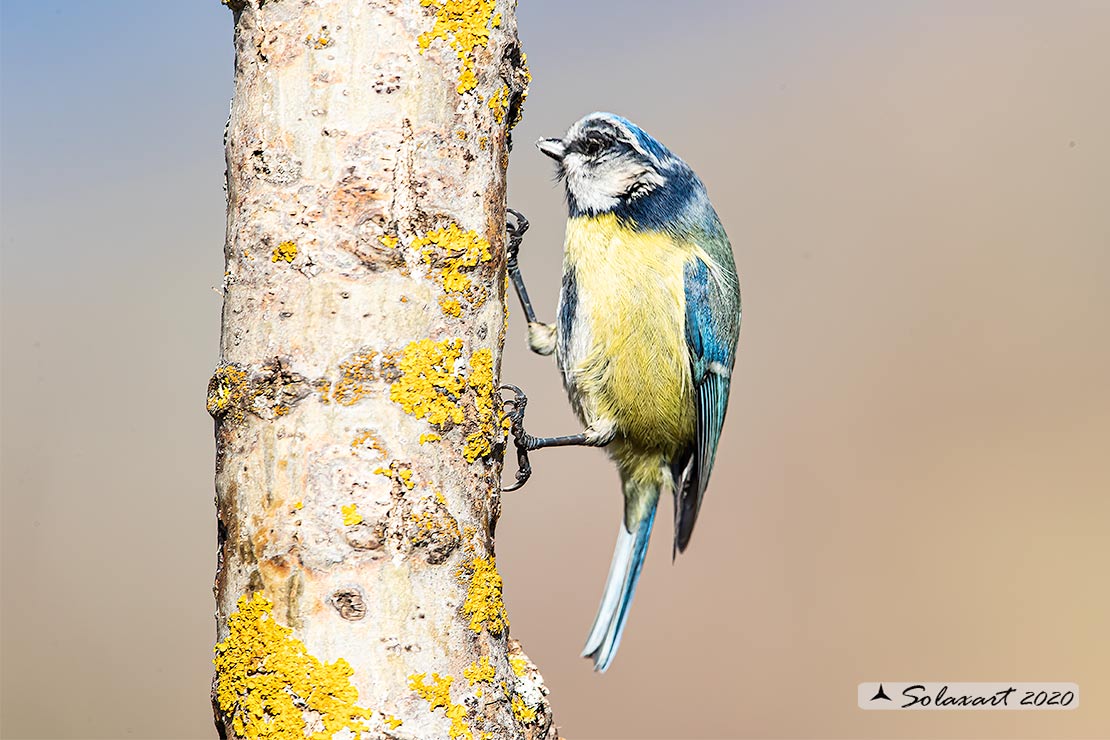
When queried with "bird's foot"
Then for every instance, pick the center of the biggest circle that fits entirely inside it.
(514, 409)
(515, 229)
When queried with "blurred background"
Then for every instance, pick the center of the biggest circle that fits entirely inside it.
(914, 477)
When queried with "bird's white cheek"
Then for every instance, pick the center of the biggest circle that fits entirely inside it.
(592, 194)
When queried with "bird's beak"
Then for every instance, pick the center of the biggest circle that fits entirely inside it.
(554, 148)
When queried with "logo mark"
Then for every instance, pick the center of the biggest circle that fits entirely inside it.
(880, 694)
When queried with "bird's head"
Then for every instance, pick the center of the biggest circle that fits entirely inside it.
(606, 162)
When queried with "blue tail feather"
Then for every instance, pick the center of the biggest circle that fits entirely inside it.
(624, 572)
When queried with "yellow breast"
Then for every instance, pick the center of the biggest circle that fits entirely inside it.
(628, 361)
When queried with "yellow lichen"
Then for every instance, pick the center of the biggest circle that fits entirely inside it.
(435, 528)
(477, 445)
(467, 80)
(522, 711)
(281, 410)
(351, 517)
(285, 251)
(481, 670)
(464, 25)
(523, 93)
(429, 386)
(355, 377)
(398, 472)
(499, 103)
(450, 306)
(267, 682)
(519, 665)
(321, 40)
(429, 437)
(461, 134)
(455, 253)
(480, 443)
(483, 603)
(298, 505)
(228, 391)
(388, 240)
(438, 695)
(392, 722)
(367, 440)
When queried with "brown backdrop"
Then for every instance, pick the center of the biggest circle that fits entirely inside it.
(913, 481)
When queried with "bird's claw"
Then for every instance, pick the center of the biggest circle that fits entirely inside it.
(514, 409)
(515, 229)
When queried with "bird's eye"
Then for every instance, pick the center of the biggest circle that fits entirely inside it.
(592, 146)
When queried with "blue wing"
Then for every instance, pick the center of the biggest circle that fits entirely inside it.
(712, 323)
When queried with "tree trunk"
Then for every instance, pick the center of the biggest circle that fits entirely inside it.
(359, 433)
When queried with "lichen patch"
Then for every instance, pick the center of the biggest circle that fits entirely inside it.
(438, 696)
(522, 711)
(525, 76)
(284, 252)
(351, 517)
(435, 531)
(499, 103)
(528, 694)
(365, 440)
(480, 671)
(453, 254)
(267, 683)
(234, 390)
(321, 40)
(228, 392)
(356, 374)
(484, 605)
(429, 386)
(400, 473)
(464, 25)
(480, 442)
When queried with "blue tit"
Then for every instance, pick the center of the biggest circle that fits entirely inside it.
(648, 319)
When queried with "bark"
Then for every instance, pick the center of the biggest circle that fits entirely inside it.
(358, 429)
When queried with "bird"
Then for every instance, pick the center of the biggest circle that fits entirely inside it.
(645, 338)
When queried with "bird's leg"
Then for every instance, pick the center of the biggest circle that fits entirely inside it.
(525, 442)
(541, 337)
(515, 230)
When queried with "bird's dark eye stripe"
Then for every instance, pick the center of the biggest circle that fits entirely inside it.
(596, 142)
(589, 146)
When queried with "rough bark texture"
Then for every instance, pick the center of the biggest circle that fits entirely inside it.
(359, 434)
